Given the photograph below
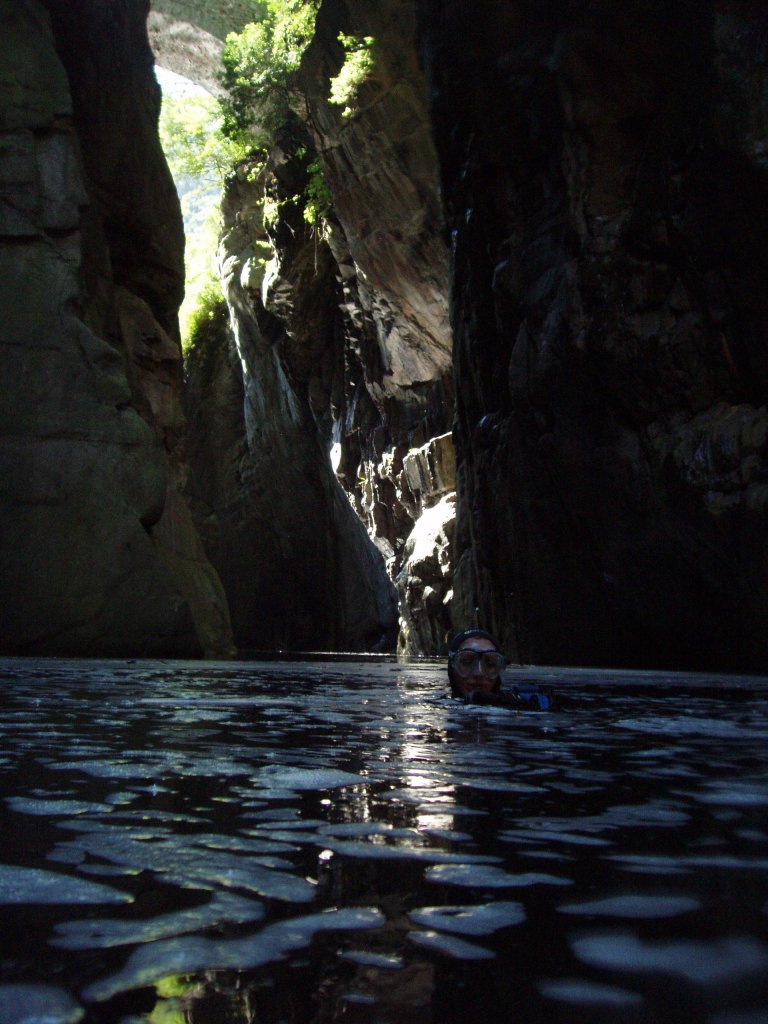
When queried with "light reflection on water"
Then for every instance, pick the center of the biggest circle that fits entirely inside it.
(336, 841)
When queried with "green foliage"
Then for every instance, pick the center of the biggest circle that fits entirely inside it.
(192, 138)
(318, 202)
(356, 69)
(199, 157)
(258, 65)
(208, 319)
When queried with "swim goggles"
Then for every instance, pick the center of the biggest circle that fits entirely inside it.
(464, 661)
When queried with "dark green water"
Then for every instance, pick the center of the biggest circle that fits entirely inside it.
(310, 842)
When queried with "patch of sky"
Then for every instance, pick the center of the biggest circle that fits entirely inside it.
(188, 955)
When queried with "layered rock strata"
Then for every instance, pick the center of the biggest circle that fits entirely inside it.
(99, 555)
(605, 174)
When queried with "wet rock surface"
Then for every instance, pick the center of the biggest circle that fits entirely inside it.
(338, 837)
(609, 318)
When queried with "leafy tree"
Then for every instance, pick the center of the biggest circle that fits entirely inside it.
(199, 157)
(258, 65)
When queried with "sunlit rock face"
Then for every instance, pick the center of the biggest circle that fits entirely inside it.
(187, 36)
(99, 555)
(297, 564)
(391, 271)
(605, 172)
(341, 344)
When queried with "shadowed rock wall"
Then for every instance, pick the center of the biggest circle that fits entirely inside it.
(605, 173)
(99, 555)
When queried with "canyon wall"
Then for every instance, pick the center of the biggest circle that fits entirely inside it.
(605, 176)
(99, 555)
(519, 366)
(340, 345)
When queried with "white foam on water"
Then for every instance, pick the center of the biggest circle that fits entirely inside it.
(35, 885)
(700, 961)
(38, 1004)
(635, 906)
(587, 993)
(222, 908)
(480, 877)
(470, 920)
(449, 945)
(189, 955)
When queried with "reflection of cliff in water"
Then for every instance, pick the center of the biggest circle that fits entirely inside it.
(340, 841)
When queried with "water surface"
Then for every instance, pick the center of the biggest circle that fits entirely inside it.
(328, 841)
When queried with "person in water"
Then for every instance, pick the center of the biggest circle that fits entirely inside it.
(475, 664)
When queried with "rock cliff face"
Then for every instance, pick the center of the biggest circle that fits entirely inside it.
(297, 564)
(99, 555)
(344, 345)
(605, 173)
(584, 187)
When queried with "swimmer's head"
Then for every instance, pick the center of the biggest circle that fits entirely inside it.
(475, 663)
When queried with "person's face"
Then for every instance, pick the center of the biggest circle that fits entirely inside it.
(477, 676)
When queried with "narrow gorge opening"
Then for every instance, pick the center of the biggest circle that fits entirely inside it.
(341, 365)
(532, 232)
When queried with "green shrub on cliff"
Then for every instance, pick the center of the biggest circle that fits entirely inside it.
(199, 157)
(258, 64)
(356, 69)
(207, 328)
